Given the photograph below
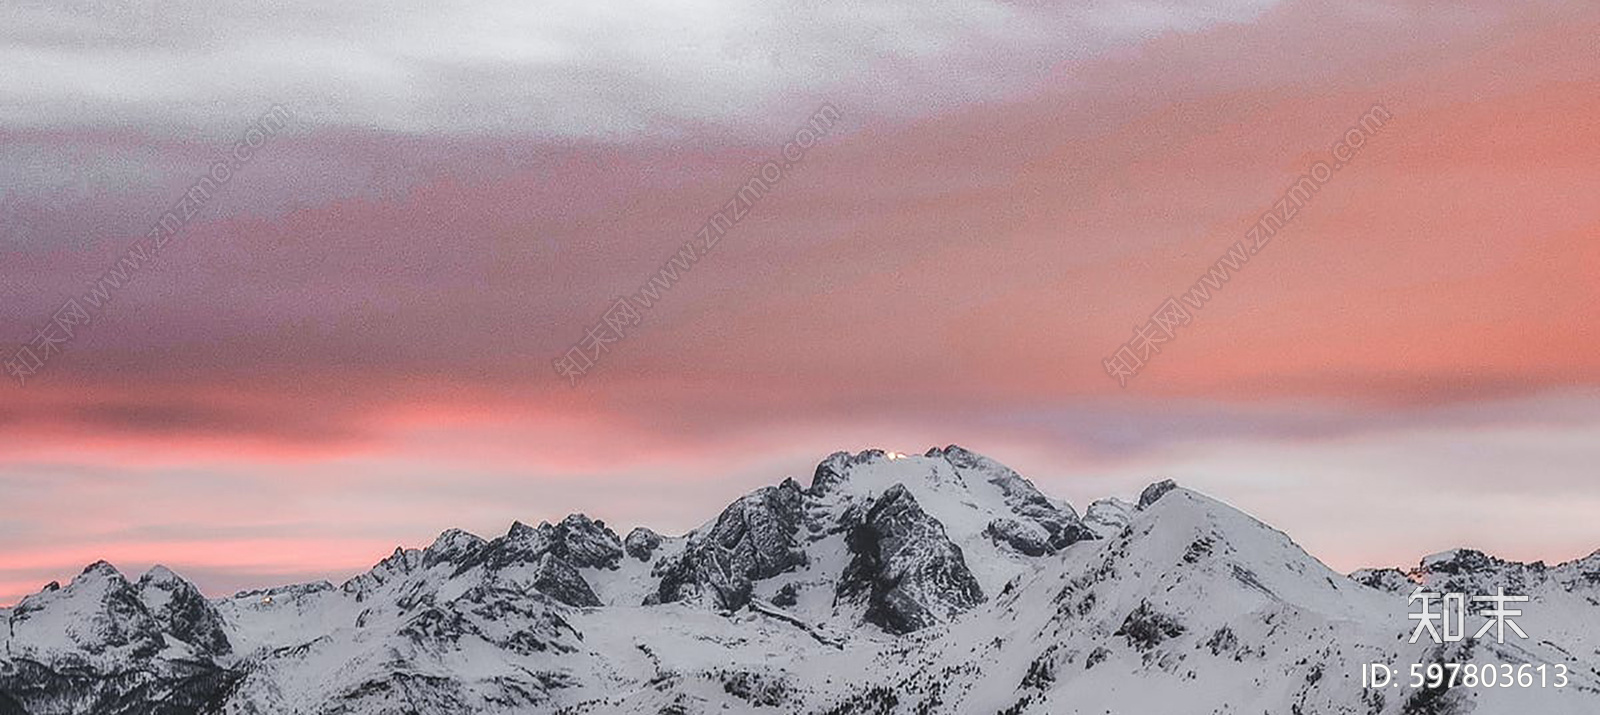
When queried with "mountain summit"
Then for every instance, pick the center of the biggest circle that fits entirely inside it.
(936, 583)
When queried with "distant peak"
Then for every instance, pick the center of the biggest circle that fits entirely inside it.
(953, 453)
(453, 544)
(836, 467)
(103, 569)
(582, 521)
(1457, 561)
(455, 538)
(160, 574)
(1383, 579)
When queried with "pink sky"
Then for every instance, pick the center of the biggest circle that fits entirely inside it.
(352, 348)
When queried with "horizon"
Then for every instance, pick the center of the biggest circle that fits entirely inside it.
(336, 579)
(284, 287)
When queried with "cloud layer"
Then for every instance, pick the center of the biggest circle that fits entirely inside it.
(360, 328)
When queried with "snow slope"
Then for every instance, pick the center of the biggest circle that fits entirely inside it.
(935, 583)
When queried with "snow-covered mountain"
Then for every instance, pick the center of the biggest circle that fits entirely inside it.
(940, 583)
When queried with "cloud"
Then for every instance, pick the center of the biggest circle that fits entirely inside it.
(373, 307)
(546, 69)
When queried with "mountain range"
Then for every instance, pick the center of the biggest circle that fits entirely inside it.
(891, 584)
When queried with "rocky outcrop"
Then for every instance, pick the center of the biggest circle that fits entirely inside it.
(753, 539)
(557, 579)
(583, 542)
(1154, 492)
(1024, 537)
(835, 469)
(545, 558)
(453, 547)
(1108, 517)
(903, 567)
(181, 611)
(1392, 580)
(1473, 572)
(577, 539)
(641, 543)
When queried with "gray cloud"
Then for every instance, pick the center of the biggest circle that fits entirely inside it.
(562, 68)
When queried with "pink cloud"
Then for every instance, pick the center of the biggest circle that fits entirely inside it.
(947, 278)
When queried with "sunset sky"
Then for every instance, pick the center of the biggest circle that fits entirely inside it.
(351, 346)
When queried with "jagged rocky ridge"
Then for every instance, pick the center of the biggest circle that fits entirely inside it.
(939, 583)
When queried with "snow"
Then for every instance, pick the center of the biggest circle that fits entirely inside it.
(1108, 517)
(1182, 604)
(965, 501)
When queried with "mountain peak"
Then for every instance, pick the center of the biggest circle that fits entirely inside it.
(101, 569)
(159, 574)
(1454, 561)
(456, 541)
(583, 542)
(835, 468)
(1155, 491)
(955, 454)
(1011, 596)
(98, 617)
(520, 530)
(180, 610)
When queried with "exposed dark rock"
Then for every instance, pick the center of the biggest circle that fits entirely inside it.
(180, 610)
(9, 706)
(1461, 561)
(1155, 492)
(164, 688)
(904, 567)
(786, 597)
(1024, 537)
(1146, 628)
(1474, 572)
(110, 622)
(454, 546)
(522, 544)
(753, 539)
(95, 647)
(583, 542)
(559, 580)
(642, 543)
(1383, 579)
(836, 467)
(758, 689)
